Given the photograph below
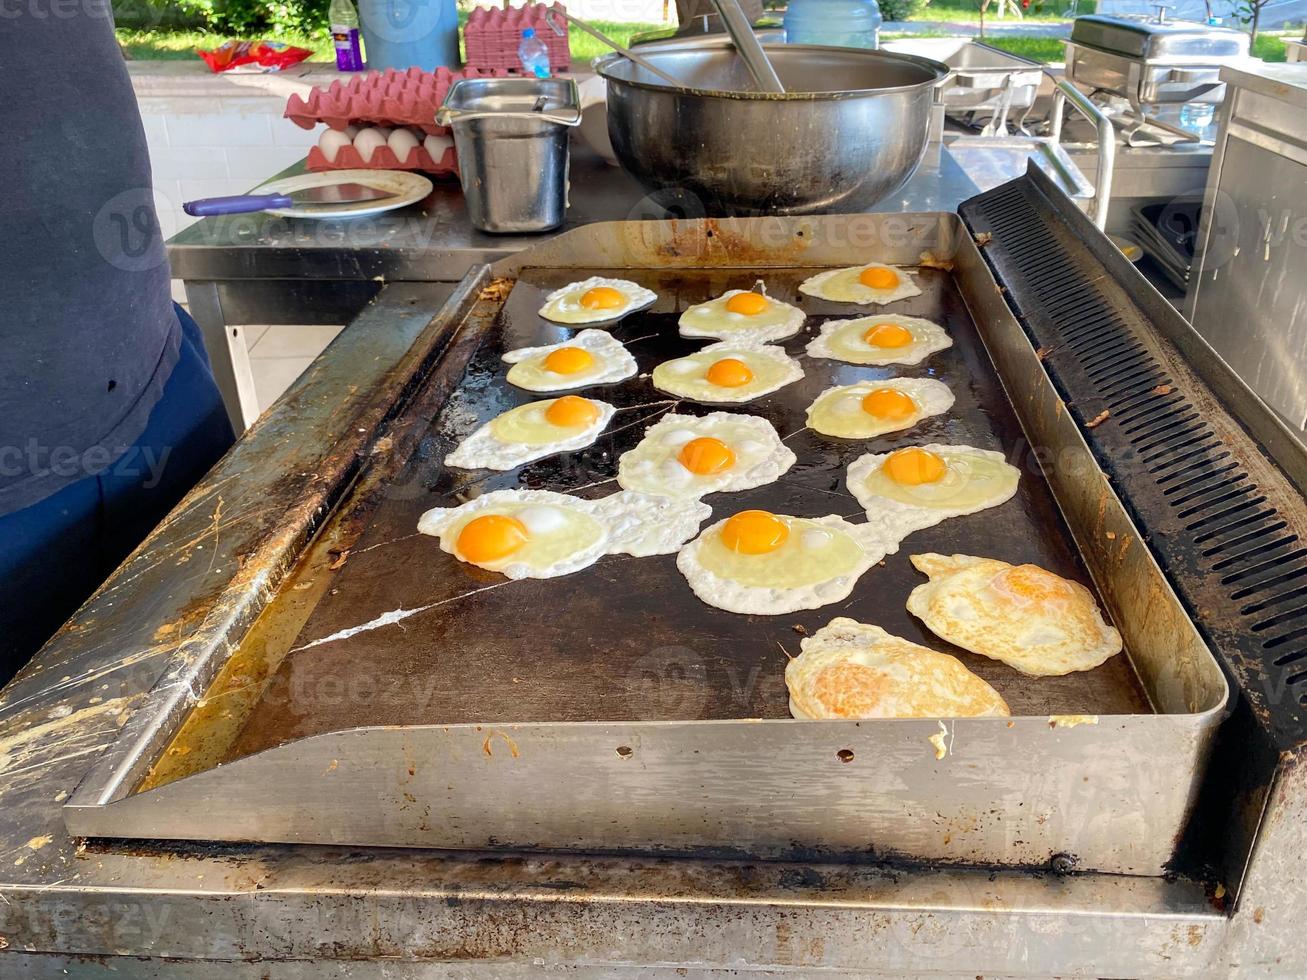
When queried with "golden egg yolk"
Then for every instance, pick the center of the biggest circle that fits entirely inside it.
(568, 360)
(878, 277)
(889, 404)
(706, 456)
(491, 537)
(849, 690)
(750, 304)
(729, 373)
(571, 411)
(888, 335)
(914, 466)
(754, 532)
(1030, 583)
(601, 298)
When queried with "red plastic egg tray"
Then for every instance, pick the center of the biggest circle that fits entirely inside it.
(492, 35)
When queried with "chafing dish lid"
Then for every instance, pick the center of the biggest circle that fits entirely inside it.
(1149, 40)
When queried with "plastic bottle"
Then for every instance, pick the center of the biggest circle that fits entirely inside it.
(345, 35)
(409, 33)
(533, 54)
(840, 23)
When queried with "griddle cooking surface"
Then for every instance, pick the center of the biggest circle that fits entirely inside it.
(626, 639)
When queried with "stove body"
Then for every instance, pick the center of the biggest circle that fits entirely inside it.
(1219, 504)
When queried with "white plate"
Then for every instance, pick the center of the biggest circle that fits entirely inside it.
(408, 188)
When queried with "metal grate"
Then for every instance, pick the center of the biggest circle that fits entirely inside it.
(1227, 549)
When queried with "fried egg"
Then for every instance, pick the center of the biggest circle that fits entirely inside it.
(848, 669)
(1027, 617)
(684, 456)
(531, 432)
(592, 357)
(862, 284)
(756, 562)
(920, 486)
(872, 408)
(595, 300)
(727, 373)
(885, 339)
(543, 534)
(742, 315)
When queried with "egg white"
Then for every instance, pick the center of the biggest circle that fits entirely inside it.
(487, 449)
(844, 286)
(685, 376)
(563, 305)
(653, 466)
(613, 363)
(841, 340)
(767, 592)
(908, 680)
(713, 319)
(838, 411)
(975, 480)
(627, 523)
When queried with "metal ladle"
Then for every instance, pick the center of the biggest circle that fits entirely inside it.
(747, 46)
(605, 39)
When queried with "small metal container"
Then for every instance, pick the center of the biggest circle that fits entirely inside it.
(511, 135)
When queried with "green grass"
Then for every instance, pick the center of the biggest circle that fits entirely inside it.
(174, 45)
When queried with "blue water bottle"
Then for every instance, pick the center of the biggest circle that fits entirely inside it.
(409, 33)
(839, 23)
(533, 54)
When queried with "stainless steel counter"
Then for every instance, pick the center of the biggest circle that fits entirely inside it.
(261, 269)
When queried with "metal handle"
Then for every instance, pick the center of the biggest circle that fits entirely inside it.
(648, 66)
(746, 44)
(238, 204)
(1066, 92)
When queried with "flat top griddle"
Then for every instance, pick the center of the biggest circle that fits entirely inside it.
(626, 639)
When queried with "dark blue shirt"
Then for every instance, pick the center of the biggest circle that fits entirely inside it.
(88, 336)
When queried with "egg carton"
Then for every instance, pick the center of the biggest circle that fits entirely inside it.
(388, 98)
(492, 35)
(439, 159)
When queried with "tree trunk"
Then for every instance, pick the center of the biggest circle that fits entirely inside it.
(1257, 18)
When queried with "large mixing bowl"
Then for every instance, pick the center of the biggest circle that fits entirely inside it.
(849, 130)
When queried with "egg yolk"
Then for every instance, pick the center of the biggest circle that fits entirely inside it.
(729, 373)
(850, 690)
(750, 304)
(754, 532)
(706, 456)
(888, 335)
(914, 466)
(601, 298)
(568, 360)
(889, 404)
(571, 411)
(491, 537)
(878, 277)
(1032, 584)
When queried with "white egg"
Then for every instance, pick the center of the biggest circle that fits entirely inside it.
(331, 142)
(862, 284)
(595, 300)
(920, 486)
(402, 142)
(367, 142)
(758, 563)
(436, 145)
(873, 408)
(530, 432)
(592, 357)
(684, 456)
(727, 373)
(543, 534)
(884, 339)
(749, 316)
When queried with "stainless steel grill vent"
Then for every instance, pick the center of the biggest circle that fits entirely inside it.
(1226, 547)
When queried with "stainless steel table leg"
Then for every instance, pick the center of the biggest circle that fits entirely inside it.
(228, 353)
